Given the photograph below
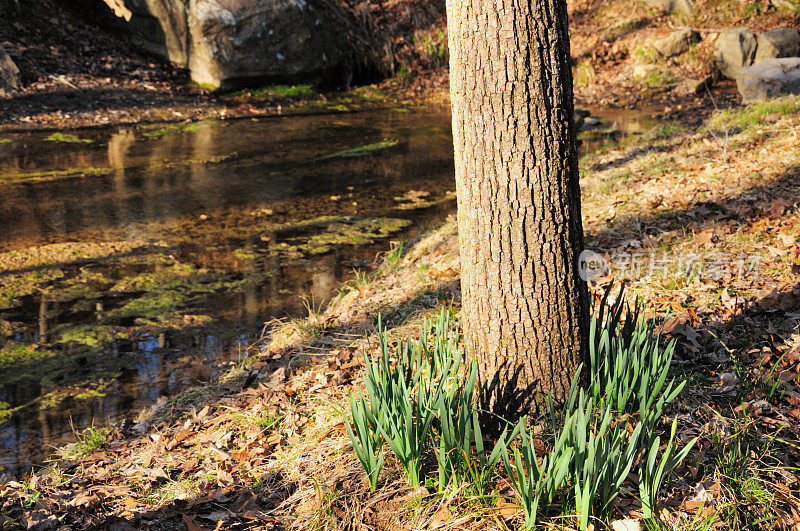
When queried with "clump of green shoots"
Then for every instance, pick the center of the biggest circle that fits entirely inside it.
(425, 399)
(86, 442)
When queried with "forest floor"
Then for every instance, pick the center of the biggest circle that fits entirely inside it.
(704, 224)
(700, 215)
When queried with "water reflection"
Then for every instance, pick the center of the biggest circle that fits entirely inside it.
(209, 196)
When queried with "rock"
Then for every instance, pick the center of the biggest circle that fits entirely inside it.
(786, 5)
(736, 49)
(628, 524)
(235, 42)
(769, 78)
(641, 72)
(232, 43)
(580, 115)
(158, 26)
(781, 42)
(672, 6)
(696, 86)
(677, 42)
(9, 73)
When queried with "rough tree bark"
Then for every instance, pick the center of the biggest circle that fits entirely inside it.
(519, 220)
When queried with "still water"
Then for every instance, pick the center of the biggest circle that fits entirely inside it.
(138, 261)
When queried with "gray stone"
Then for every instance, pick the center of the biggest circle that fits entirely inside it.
(786, 5)
(677, 42)
(239, 41)
(231, 43)
(781, 42)
(736, 49)
(769, 78)
(580, 115)
(9, 73)
(158, 26)
(672, 6)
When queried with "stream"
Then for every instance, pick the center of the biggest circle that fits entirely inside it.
(138, 261)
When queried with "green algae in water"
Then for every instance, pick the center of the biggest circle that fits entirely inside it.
(35, 176)
(180, 277)
(337, 231)
(51, 175)
(6, 141)
(56, 397)
(413, 200)
(14, 287)
(75, 289)
(244, 255)
(152, 305)
(24, 361)
(155, 132)
(362, 151)
(89, 335)
(168, 290)
(5, 411)
(68, 138)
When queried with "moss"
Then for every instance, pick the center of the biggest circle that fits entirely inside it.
(91, 171)
(647, 54)
(42, 268)
(583, 74)
(753, 114)
(179, 277)
(281, 91)
(362, 151)
(369, 93)
(6, 140)
(656, 79)
(202, 86)
(68, 138)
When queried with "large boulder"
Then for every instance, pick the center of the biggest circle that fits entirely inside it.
(672, 6)
(9, 73)
(736, 49)
(158, 26)
(232, 43)
(236, 42)
(677, 42)
(769, 78)
(781, 42)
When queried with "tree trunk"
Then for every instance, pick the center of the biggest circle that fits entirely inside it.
(519, 220)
